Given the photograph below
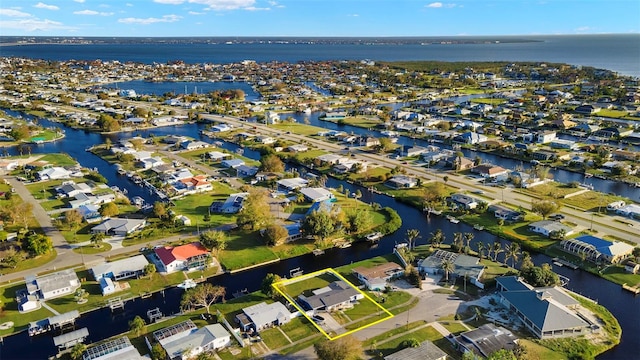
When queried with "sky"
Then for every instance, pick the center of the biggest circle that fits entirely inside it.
(359, 18)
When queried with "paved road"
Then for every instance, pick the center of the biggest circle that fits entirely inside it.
(603, 225)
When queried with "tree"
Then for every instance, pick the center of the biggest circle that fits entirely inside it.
(39, 244)
(109, 209)
(97, 239)
(497, 249)
(512, 251)
(357, 195)
(214, 240)
(77, 351)
(108, 143)
(20, 133)
(275, 235)
(458, 244)
(412, 342)
(481, 249)
(73, 219)
(445, 179)
(384, 144)
(468, 237)
(137, 143)
(157, 352)
(413, 276)
(160, 209)
(24, 213)
(320, 224)
(412, 236)
(437, 238)
(359, 221)
(12, 257)
(344, 348)
(502, 354)
(267, 284)
(538, 276)
(271, 163)
(137, 326)
(544, 207)
(202, 295)
(447, 267)
(150, 269)
(255, 212)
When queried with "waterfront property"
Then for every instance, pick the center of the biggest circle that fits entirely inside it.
(547, 312)
(185, 341)
(549, 228)
(402, 182)
(183, 257)
(463, 266)
(596, 249)
(316, 194)
(261, 316)
(486, 340)
(336, 296)
(378, 277)
(119, 348)
(109, 272)
(46, 287)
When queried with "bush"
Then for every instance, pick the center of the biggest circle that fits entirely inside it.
(393, 224)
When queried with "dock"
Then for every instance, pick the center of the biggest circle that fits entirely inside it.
(116, 303)
(633, 289)
(68, 340)
(318, 252)
(57, 322)
(562, 262)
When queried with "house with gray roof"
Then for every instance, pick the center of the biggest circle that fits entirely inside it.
(549, 227)
(316, 194)
(335, 296)
(426, 351)
(120, 269)
(486, 340)
(46, 287)
(185, 340)
(547, 312)
(119, 348)
(263, 315)
(401, 182)
(119, 226)
(464, 266)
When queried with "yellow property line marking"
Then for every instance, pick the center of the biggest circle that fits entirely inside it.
(304, 313)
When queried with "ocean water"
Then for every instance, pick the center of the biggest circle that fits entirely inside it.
(616, 52)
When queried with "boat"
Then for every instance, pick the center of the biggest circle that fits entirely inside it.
(478, 227)
(122, 172)
(452, 219)
(373, 236)
(401, 245)
(137, 201)
(318, 252)
(187, 284)
(307, 111)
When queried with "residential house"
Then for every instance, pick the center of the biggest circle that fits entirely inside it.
(369, 141)
(547, 312)
(465, 266)
(298, 148)
(185, 341)
(544, 155)
(587, 109)
(220, 128)
(70, 189)
(464, 201)
(120, 269)
(337, 295)
(265, 140)
(401, 182)
(291, 184)
(596, 249)
(232, 163)
(549, 228)
(231, 205)
(261, 316)
(631, 267)
(217, 155)
(47, 287)
(316, 194)
(378, 277)
(271, 117)
(505, 214)
(546, 137)
(411, 151)
(183, 257)
(334, 115)
(54, 173)
(470, 137)
(489, 171)
(246, 171)
(196, 183)
(426, 351)
(331, 159)
(563, 144)
(460, 163)
(119, 226)
(119, 348)
(485, 340)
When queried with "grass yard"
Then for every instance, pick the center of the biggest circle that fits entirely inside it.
(592, 200)
(297, 128)
(553, 190)
(489, 101)
(245, 248)
(539, 352)
(59, 159)
(298, 329)
(30, 263)
(305, 286)
(612, 113)
(196, 206)
(454, 327)
(273, 338)
(515, 232)
(427, 333)
(10, 310)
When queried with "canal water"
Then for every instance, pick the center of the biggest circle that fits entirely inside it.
(103, 323)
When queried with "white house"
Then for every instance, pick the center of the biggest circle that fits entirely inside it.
(54, 173)
(263, 315)
(548, 227)
(185, 341)
(52, 285)
(119, 226)
(120, 269)
(183, 257)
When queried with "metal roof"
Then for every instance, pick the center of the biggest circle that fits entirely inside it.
(70, 337)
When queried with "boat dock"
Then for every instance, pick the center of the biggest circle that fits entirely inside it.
(562, 262)
(633, 289)
(318, 252)
(53, 323)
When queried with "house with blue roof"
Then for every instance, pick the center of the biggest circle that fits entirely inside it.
(547, 312)
(596, 249)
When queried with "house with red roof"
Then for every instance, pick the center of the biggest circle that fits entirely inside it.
(196, 183)
(183, 257)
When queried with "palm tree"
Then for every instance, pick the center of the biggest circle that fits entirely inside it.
(457, 241)
(447, 267)
(412, 236)
(97, 239)
(481, 249)
(497, 249)
(467, 238)
(513, 252)
(437, 238)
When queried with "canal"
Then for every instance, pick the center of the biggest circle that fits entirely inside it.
(103, 323)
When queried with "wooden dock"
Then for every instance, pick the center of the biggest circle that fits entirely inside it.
(633, 289)
(562, 262)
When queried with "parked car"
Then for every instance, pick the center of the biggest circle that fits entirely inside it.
(556, 217)
(317, 318)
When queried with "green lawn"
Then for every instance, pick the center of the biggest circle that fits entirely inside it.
(553, 190)
(539, 352)
(489, 101)
(305, 286)
(196, 206)
(612, 113)
(427, 333)
(59, 159)
(10, 310)
(454, 327)
(297, 128)
(245, 248)
(273, 338)
(299, 328)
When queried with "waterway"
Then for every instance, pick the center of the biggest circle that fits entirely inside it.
(103, 323)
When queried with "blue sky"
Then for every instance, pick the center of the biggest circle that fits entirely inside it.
(316, 17)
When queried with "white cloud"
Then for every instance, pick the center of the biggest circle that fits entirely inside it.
(42, 5)
(30, 25)
(275, 4)
(253, 8)
(582, 29)
(13, 13)
(169, 2)
(437, 5)
(129, 4)
(147, 21)
(226, 4)
(196, 13)
(92, 12)
(353, 15)
(79, 1)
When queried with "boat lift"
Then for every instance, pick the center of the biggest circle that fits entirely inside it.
(68, 340)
